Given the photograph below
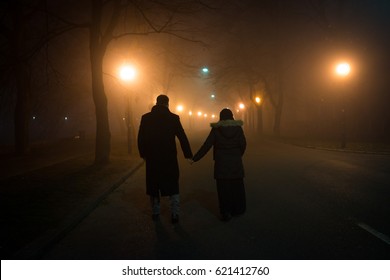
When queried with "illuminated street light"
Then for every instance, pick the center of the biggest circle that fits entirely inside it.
(128, 73)
(241, 106)
(179, 108)
(257, 100)
(205, 70)
(343, 69)
(199, 113)
(190, 113)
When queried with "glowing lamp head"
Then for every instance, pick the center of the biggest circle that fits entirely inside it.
(127, 73)
(179, 108)
(343, 69)
(257, 100)
(241, 106)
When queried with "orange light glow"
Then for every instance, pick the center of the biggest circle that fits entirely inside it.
(343, 69)
(127, 73)
(179, 108)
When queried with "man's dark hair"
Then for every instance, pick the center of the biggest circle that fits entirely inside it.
(162, 100)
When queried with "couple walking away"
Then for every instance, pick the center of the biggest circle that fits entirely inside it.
(157, 146)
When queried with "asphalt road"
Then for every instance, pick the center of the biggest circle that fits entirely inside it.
(301, 204)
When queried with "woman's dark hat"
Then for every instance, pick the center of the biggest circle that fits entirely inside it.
(226, 114)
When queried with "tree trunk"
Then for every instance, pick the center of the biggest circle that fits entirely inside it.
(260, 120)
(103, 135)
(23, 82)
(97, 51)
(22, 110)
(278, 114)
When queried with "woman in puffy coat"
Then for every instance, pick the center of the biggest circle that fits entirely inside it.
(228, 139)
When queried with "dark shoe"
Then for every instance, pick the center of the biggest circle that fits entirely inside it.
(226, 217)
(236, 214)
(155, 217)
(175, 219)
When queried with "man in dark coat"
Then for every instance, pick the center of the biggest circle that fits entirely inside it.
(157, 146)
(228, 139)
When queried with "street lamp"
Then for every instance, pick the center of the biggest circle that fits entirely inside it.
(342, 70)
(128, 73)
(179, 108)
(259, 110)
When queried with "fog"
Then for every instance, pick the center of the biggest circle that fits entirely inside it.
(283, 54)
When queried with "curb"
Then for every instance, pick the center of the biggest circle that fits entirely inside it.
(344, 150)
(37, 248)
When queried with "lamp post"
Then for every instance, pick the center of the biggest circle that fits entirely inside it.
(259, 109)
(241, 109)
(128, 73)
(342, 70)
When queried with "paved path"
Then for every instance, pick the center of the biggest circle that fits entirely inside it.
(302, 204)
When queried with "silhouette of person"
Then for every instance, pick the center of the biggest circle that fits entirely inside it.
(157, 146)
(228, 139)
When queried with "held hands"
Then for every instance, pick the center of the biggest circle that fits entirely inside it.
(190, 160)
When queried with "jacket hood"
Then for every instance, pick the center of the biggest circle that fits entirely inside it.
(228, 128)
(227, 123)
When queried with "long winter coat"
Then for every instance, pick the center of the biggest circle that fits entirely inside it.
(228, 140)
(157, 145)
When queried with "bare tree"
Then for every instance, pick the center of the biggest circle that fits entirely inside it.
(168, 17)
(25, 32)
(260, 48)
(138, 18)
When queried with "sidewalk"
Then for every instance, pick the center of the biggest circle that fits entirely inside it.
(45, 194)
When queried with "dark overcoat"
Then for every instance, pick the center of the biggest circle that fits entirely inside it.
(228, 139)
(157, 145)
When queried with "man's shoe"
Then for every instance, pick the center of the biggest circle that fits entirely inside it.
(175, 219)
(155, 217)
(226, 217)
